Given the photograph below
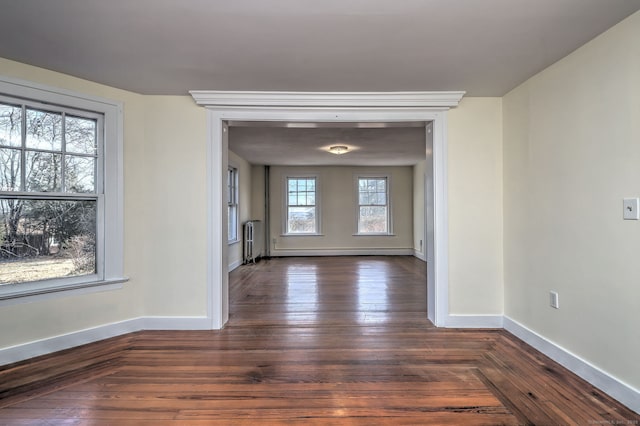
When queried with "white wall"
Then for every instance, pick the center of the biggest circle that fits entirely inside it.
(419, 232)
(257, 192)
(244, 205)
(423, 207)
(571, 153)
(175, 167)
(338, 212)
(258, 197)
(475, 207)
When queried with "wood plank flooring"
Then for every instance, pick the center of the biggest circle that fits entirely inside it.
(334, 340)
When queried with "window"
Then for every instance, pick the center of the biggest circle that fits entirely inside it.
(373, 205)
(60, 190)
(232, 202)
(302, 213)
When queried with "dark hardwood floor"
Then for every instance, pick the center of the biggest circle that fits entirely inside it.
(334, 340)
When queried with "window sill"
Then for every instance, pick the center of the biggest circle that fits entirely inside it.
(372, 234)
(302, 235)
(232, 242)
(9, 297)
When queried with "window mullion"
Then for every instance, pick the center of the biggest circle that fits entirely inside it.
(48, 196)
(23, 147)
(63, 138)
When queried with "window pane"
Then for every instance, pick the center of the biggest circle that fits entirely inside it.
(43, 172)
(79, 174)
(10, 125)
(311, 199)
(10, 176)
(372, 219)
(80, 135)
(43, 239)
(229, 186)
(301, 200)
(372, 184)
(380, 199)
(363, 198)
(301, 220)
(44, 130)
(232, 231)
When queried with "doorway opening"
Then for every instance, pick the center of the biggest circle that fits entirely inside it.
(227, 107)
(318, 209)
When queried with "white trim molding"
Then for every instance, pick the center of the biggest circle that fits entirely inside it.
(364, 251)
(66, 291)
(70, 340)
(327, 99)
(418, 254)
(49, 345)
(610, 385)
(474, 321)
(235, 265)
(227, 107)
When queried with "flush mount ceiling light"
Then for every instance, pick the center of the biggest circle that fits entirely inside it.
(338, 149)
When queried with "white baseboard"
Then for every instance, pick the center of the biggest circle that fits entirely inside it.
(592, 374)
(473, 321)
(420, 255)
(57, 343)
(234, 265)
(176, 323)
(77, 338)
(344, 252)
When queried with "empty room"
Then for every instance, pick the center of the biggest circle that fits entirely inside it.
(338, 212)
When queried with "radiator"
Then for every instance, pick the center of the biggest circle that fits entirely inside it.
(252, 241)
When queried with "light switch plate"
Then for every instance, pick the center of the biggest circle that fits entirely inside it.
(631, 208)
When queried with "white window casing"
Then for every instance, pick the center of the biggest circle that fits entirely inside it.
(108, 193)
(386, 204)
(311, 203)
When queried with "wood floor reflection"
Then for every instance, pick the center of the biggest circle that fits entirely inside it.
(324, 291)
(310, 341)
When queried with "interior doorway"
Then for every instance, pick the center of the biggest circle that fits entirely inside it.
(270, 157)
(225, 107)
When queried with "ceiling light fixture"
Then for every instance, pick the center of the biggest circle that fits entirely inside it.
(338, 149)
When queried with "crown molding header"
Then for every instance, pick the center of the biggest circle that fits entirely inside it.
(215, 98)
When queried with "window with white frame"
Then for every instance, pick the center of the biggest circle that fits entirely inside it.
(301, 205)
(232, 203)
(373, 205)
(60, 196)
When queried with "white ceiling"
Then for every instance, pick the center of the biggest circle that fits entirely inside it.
(483, 47)
(393, 145)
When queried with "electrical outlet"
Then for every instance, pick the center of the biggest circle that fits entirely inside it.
(553, 300)
(631, 210)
